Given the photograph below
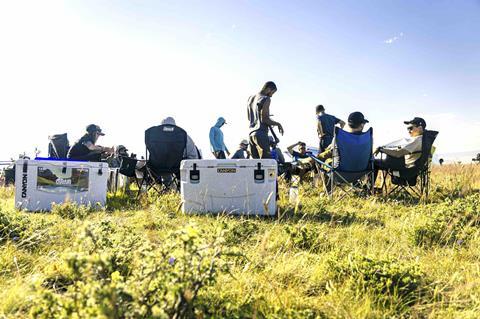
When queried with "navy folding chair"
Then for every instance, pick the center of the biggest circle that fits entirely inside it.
(351, 169)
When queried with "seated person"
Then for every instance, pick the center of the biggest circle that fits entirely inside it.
(275, 151)
(115, 160)
(85, 149)
(242, 152)
(356, 123)
(301, 164)
(403, 153)
(302, 151)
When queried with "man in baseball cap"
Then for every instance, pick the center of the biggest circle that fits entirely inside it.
(93, 128)
(403, 153)
(417, 121)
(355, 125)
(85, 149)
(355, 120)
(242, 150)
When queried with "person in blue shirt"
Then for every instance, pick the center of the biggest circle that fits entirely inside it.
(301, 153)
(326, 127)
(275, 151)
(216, 140)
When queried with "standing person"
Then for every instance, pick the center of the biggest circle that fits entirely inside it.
(85, 149)
(216, 140)
(326, 127)
(242, 150)
(258, 112)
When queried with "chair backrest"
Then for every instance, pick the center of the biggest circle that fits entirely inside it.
(165, 147)
(355, 151)
(58, 146)
(428, 138)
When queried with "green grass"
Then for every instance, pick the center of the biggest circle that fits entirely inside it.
(359, 258)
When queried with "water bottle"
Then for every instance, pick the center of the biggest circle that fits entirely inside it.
(293, 195)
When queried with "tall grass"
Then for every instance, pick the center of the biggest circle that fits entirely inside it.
(357, 258)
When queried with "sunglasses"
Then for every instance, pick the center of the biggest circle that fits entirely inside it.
(410, 128)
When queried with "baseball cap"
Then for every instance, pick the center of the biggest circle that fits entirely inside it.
(418, 121)
(244, 142)
(92, 128)
(356, 118)
(122, 148)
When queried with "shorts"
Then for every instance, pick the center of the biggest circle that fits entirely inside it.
(259, 145)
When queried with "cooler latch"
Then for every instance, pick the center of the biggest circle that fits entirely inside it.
(259, 174)
(194, 174)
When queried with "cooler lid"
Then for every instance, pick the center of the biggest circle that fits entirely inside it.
(83, 164)
(233, 163)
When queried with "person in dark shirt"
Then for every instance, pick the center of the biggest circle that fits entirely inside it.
(302, 151)
(326, 127)
(258, 111)
(242, 149)
(85, 149)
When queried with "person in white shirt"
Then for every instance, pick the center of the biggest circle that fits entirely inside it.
(403, 153)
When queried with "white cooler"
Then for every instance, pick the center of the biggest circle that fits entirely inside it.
(39, 183)
(244, 186)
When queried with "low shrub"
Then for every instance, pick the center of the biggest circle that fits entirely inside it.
(71, 210)
(12, 226)
(158, 282)
(452, 222)
(388, 279)
(307, 237)
(238, 232)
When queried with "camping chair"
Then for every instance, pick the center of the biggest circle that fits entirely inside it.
(351, 169)
(415, 181)
(58, 146)
(165, 149)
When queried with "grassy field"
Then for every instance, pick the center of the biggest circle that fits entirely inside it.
(359, 258)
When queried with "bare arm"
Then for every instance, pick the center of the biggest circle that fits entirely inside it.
(291, 147)
(265, 115)
(97, 148)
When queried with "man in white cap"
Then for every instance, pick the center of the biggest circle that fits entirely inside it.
(242, 150)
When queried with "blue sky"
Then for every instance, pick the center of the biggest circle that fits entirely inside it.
(126, 65)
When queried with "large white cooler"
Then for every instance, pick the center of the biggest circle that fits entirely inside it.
(39, 183)
(243, 186)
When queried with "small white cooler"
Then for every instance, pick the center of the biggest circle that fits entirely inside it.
(243, 186)
(39, 183)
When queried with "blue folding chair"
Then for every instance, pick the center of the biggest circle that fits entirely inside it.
(351, 169)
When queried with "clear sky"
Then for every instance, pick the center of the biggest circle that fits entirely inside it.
(126, 65)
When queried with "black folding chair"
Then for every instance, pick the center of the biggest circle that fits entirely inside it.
(165, 149)
(351, 169)
(58, 146)
(415, 181)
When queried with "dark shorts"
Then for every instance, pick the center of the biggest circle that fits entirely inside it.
(390, 163)
(259, 145)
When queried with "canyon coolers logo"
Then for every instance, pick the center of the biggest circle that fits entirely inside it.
(24, 185)
(57, 179)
